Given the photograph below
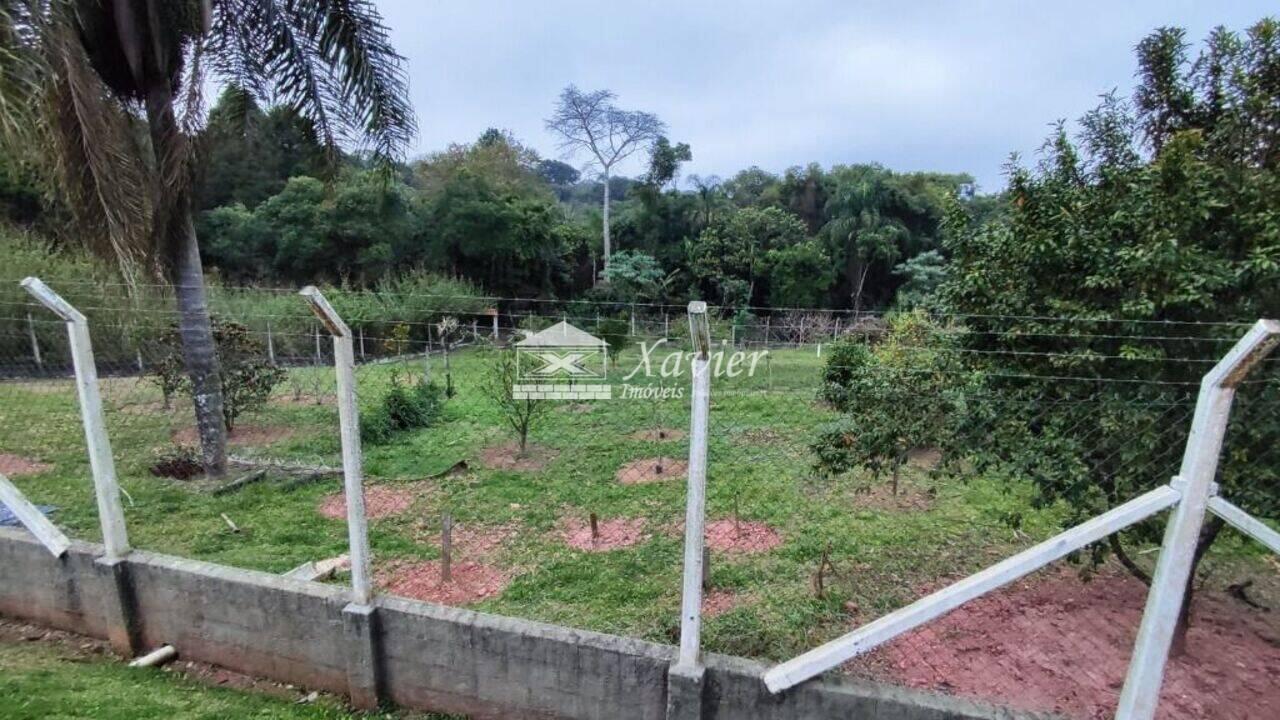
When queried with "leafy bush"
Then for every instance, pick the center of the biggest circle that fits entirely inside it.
(909, 391)
(403, 408)
(616, 332)
(247, 377)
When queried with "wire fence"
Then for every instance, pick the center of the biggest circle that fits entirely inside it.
(855, 464)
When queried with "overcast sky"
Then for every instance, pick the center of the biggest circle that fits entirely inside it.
(913, 84)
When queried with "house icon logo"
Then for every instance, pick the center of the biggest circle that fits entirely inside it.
(561, 363)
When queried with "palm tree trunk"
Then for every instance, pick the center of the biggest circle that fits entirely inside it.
(178, 242)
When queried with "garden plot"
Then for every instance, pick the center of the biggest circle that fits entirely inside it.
(795, 558)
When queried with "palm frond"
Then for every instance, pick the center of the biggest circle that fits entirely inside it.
(328, 59)
(57, 117)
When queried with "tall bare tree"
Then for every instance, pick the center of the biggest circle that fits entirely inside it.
(590, 122)
(105, 97)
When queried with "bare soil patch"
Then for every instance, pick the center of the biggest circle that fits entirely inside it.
(661, 434)
(719, 602)
(379, 501)
(469, 582)
(741, 536)
(648, 470)
(1054, 643)
(242, 435)
(508, 457)
(614, 533)
(881, 497)
(15, 465)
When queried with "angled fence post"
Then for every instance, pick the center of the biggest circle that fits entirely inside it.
(115, 537)
(349, 422)
(30, 516)
(1141, 691)
(359, 617)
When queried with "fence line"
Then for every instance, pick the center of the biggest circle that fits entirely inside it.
(739, 435)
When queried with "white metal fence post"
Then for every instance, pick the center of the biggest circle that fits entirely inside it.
(115, 537)
(31, 518)
(349, 422)
(695, 503)
(1141, 691)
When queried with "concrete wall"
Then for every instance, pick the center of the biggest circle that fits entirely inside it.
(411, 653)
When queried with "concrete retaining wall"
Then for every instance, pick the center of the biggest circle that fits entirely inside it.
(411, 653)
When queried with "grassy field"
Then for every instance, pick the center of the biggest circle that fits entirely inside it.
(70, 677)
(884, 550)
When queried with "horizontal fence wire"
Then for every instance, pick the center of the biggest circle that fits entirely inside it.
(855, 464)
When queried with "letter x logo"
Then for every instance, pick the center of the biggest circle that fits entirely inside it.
(569, 363)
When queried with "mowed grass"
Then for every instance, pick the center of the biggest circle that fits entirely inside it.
(884, 551)
(41, 680)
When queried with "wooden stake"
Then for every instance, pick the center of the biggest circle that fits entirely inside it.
(595, 528)
(446, 547)
(35, 342)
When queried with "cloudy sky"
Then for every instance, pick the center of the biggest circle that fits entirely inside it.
(922, 85)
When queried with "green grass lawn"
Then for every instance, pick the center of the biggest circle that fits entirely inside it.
(885, 551)
(40, 680)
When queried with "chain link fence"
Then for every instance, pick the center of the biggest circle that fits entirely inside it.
(855, 465)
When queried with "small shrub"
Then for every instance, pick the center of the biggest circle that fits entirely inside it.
(616, 333)
(247, 377)
(403, 408)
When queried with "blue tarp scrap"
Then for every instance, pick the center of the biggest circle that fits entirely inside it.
(8, 519)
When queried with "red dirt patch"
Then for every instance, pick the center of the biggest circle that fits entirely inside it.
(15, 465)
(661, 434)
(615, 533)
(1057, 644)
(509, 457)
(741, 536)
(476, 542)
(242, 435)
(470, 582)
(654, 469)
(379, 501)
(719, 602)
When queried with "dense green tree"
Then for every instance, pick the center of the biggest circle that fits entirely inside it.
(635, 277)
(250, 154)
(664, 163)
(730, 257)
(799, 275)
(1164, 210)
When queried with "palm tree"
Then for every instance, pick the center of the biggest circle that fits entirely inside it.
(104, 96)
